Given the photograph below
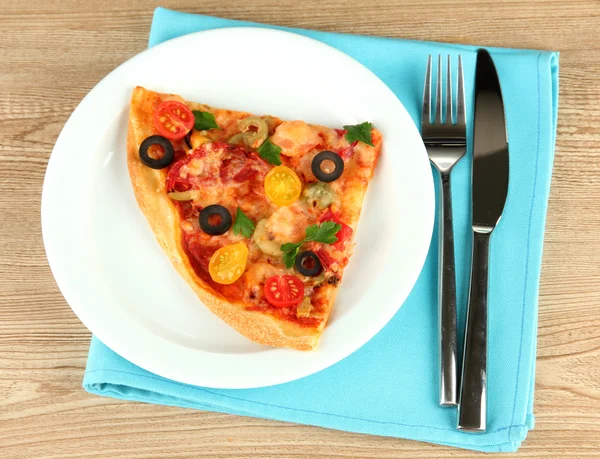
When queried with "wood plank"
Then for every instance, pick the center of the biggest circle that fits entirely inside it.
(53, 53)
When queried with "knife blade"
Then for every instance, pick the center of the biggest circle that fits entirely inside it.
(490, 188)
(490, 146)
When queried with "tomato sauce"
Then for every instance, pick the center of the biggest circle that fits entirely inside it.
(346, 152)
(199, 256)
(233, 177)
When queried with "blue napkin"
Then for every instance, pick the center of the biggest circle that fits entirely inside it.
(389, 386)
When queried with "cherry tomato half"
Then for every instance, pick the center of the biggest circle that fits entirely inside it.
(228, 263)
(173, 119)
(284, 291)
(344, 234)
(282, 186)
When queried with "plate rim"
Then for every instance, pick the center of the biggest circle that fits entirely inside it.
(331, 357)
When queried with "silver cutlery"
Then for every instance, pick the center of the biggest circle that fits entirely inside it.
(490, 187)
(446, 144)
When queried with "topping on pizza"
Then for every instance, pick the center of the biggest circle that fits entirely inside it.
(257, 214)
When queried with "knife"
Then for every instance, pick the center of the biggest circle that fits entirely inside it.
(490, 186)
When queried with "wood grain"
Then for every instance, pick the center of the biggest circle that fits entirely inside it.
(53, 52)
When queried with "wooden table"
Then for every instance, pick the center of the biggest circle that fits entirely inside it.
(53, 52)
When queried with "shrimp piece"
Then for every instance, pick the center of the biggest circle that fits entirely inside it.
(296, 138)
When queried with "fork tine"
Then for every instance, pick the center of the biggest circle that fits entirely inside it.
(449, 92)
(438, 96)
(426, 109)
(460, 94)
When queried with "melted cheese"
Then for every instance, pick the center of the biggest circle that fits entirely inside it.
(288, 223)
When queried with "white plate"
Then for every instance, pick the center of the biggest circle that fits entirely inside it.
(122, 286)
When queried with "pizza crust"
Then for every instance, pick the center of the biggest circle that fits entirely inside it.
(148, 186)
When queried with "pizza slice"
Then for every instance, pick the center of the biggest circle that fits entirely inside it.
(257, 214)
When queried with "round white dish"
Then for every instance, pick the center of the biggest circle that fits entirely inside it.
(117, 279)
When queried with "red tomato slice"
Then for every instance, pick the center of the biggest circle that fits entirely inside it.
(284, 291)
(344, 234)
(173, 119)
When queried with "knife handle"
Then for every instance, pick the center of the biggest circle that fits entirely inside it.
(448, 354)
(472, 407)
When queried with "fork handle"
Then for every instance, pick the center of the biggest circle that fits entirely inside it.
(447, 300)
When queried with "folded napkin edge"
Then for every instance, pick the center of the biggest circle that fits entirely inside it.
(111, 389)
(243, 23)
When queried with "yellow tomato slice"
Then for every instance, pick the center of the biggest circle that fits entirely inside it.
(228, 263)
(282, 186)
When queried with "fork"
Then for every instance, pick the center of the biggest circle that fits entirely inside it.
(446, 144)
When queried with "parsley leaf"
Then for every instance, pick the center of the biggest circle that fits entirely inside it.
(289, 258)
(204, 120)
(270, 152)
(325, 233)
(289, 246)
(243, 225)
(360, 132)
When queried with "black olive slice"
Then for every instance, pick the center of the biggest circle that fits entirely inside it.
(159, 163)
(188, 138)
(215, 211)
(308, 264)
(320, 174)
